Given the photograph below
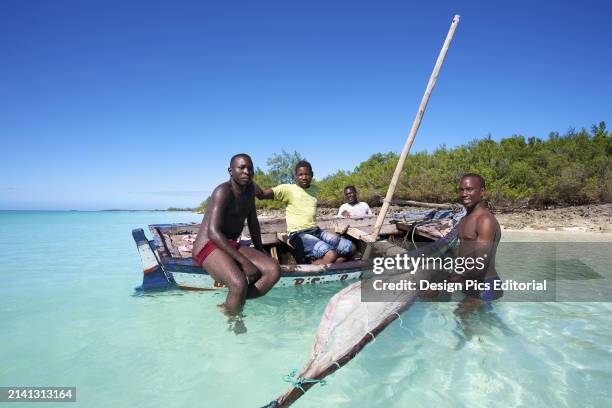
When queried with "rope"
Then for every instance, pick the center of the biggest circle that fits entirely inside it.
(297, 382)
(400, 319)
(414, 227)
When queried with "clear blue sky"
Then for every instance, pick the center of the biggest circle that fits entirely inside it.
(140, 104)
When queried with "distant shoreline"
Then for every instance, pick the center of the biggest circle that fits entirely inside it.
(112, 210)
(582, 218)
(168, 210)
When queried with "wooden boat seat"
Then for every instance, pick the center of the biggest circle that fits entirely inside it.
(355, 233)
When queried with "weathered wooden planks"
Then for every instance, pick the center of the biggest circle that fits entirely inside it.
(176, 240)
(422, 204)
(433, 230)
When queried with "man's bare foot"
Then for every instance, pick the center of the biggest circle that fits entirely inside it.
(236, 324)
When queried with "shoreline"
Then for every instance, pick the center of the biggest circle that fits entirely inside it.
(584, 218)
(576, 219)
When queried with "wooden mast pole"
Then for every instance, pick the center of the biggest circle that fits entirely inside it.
(414, 129)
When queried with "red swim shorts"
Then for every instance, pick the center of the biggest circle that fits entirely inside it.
(209, 248)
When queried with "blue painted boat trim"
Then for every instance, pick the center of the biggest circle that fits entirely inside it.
(159, 278)
(156, 280)
(139, 236)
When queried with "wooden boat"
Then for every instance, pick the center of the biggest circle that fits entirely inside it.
(167, 261)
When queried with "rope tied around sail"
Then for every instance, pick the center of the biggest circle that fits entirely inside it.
(297, 382)
(400, 319)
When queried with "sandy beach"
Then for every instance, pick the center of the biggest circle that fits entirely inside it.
(584, 218)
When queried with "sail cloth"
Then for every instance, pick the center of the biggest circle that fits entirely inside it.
(348, 324)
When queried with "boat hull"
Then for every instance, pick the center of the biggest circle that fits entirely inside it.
(203, 281)
(167, 261)
(181, 273)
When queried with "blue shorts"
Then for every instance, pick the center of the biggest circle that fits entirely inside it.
(487, 295)
(315, 243)
(491, 294)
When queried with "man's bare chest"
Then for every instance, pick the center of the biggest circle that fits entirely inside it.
(467, 230)
(239, 206)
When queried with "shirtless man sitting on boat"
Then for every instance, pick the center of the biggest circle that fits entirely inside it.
(308, 240)
(479, 235)
(247, 272)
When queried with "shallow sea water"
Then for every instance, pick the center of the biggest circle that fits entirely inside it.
(70, 317)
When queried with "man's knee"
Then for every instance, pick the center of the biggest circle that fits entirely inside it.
(319, 250)
(273, 272)
(330, 256)
(345, 247)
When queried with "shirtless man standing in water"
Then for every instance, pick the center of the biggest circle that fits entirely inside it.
(247, 272)
(479, 235)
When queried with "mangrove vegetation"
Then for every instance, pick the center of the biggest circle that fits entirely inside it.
(569, 169)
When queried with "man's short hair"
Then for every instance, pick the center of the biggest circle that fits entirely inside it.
(475, 175)
(244, 155)
(350, 188)
(302, 163)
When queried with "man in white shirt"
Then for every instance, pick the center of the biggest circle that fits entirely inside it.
(353, 208)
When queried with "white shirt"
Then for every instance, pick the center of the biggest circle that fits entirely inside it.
(358, 210)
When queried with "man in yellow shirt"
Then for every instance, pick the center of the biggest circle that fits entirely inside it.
(300, 200)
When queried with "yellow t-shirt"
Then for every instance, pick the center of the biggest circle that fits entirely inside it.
(300, 205)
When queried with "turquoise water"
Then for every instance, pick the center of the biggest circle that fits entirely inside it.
(70, 318)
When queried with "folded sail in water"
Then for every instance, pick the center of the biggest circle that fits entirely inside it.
(348, 324)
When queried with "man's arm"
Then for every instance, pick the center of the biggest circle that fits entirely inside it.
(218, 203)
(254, 229)
(486, 229)
(263, 194)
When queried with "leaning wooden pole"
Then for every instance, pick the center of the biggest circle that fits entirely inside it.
(415, 127)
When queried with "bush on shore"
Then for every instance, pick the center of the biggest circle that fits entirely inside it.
(570, 169)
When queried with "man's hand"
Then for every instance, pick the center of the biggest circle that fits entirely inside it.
(345, 214)
(258, 191)
(251, 271)
(267, 194)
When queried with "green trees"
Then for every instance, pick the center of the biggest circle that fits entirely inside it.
(282, 166)
(575, 168)
(570, 169)
(203, 205)
(281, 169)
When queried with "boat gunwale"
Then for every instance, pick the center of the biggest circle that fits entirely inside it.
(186, 265)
